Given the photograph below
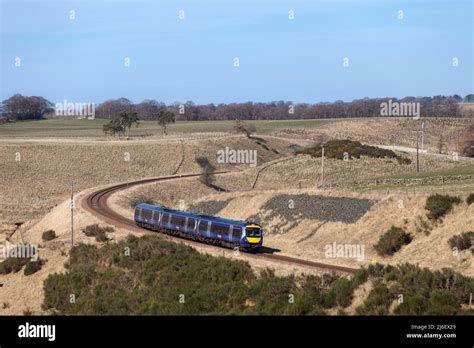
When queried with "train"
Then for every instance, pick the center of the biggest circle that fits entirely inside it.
(245, 235)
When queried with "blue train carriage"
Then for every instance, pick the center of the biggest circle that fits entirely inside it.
(203, 228)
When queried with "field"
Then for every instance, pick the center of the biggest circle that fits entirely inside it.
(83, 128)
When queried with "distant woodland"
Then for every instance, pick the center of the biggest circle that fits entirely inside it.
(20, 107)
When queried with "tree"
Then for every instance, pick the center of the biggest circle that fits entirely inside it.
(469, 98)
(147, 109)
(19, 107)
(110, 108)
(164, 117)
(114, 127)
(127, 119)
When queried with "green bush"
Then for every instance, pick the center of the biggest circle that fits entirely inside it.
(99, 232)
(377, 302)
(12, 265)
(151, 279)
(33, 266)
(462, 241)
(48, 235)
(354, 149)
(101, 237)
(470, 199)
(392, 241)
(14, 261)
(439, 205)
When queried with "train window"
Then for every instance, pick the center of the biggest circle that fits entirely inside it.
(165, 219)
(137, 213)
(191, 223)
(219, 229)
(178, 220)
(237, 232)
(147, 213)
(203, 226)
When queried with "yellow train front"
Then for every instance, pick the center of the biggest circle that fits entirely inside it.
(252, 237)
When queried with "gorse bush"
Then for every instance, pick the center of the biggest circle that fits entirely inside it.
(392, 241)
(470, 199)
(416, 291)
(33, 266)
(48, 235)
(158, 274)
(439, 205)
(462, 241)
(12, 265)
(163, 278)
(17, 257)
(354, 149)
(99, 232)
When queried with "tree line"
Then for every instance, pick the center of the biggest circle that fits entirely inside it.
(20, 107)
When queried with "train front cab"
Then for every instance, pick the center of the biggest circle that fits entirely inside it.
(253, 237)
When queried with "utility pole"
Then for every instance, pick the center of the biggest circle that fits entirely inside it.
(417, 152)
(422, 137)
(72, 213)
(322, 165)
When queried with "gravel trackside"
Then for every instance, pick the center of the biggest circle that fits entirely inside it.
(316, 207)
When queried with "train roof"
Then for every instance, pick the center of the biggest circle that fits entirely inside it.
(191, 214)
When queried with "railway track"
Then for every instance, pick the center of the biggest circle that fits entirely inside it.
(96, 203)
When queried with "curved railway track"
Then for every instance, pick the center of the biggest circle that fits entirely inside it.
(96, 203)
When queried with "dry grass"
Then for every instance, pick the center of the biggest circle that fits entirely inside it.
(41, 179)
(393, 131)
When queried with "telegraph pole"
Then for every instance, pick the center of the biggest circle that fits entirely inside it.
(72, 213)
(422, 137)
(417, 152)
(322, 165)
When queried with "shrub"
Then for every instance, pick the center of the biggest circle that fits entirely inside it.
(12, 264)
(48, 235)
(439, 205)
(470, 199)
(354, 149)
(33, 266)
(392, 241)
(101, 237)
(98, 232)
(377, 302)
(107, 282)
(462, 241)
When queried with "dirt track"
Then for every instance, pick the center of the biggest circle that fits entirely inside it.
(96, 203)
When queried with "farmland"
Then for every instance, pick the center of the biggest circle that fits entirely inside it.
(83, 128)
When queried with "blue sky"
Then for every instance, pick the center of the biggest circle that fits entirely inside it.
(299, 60)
